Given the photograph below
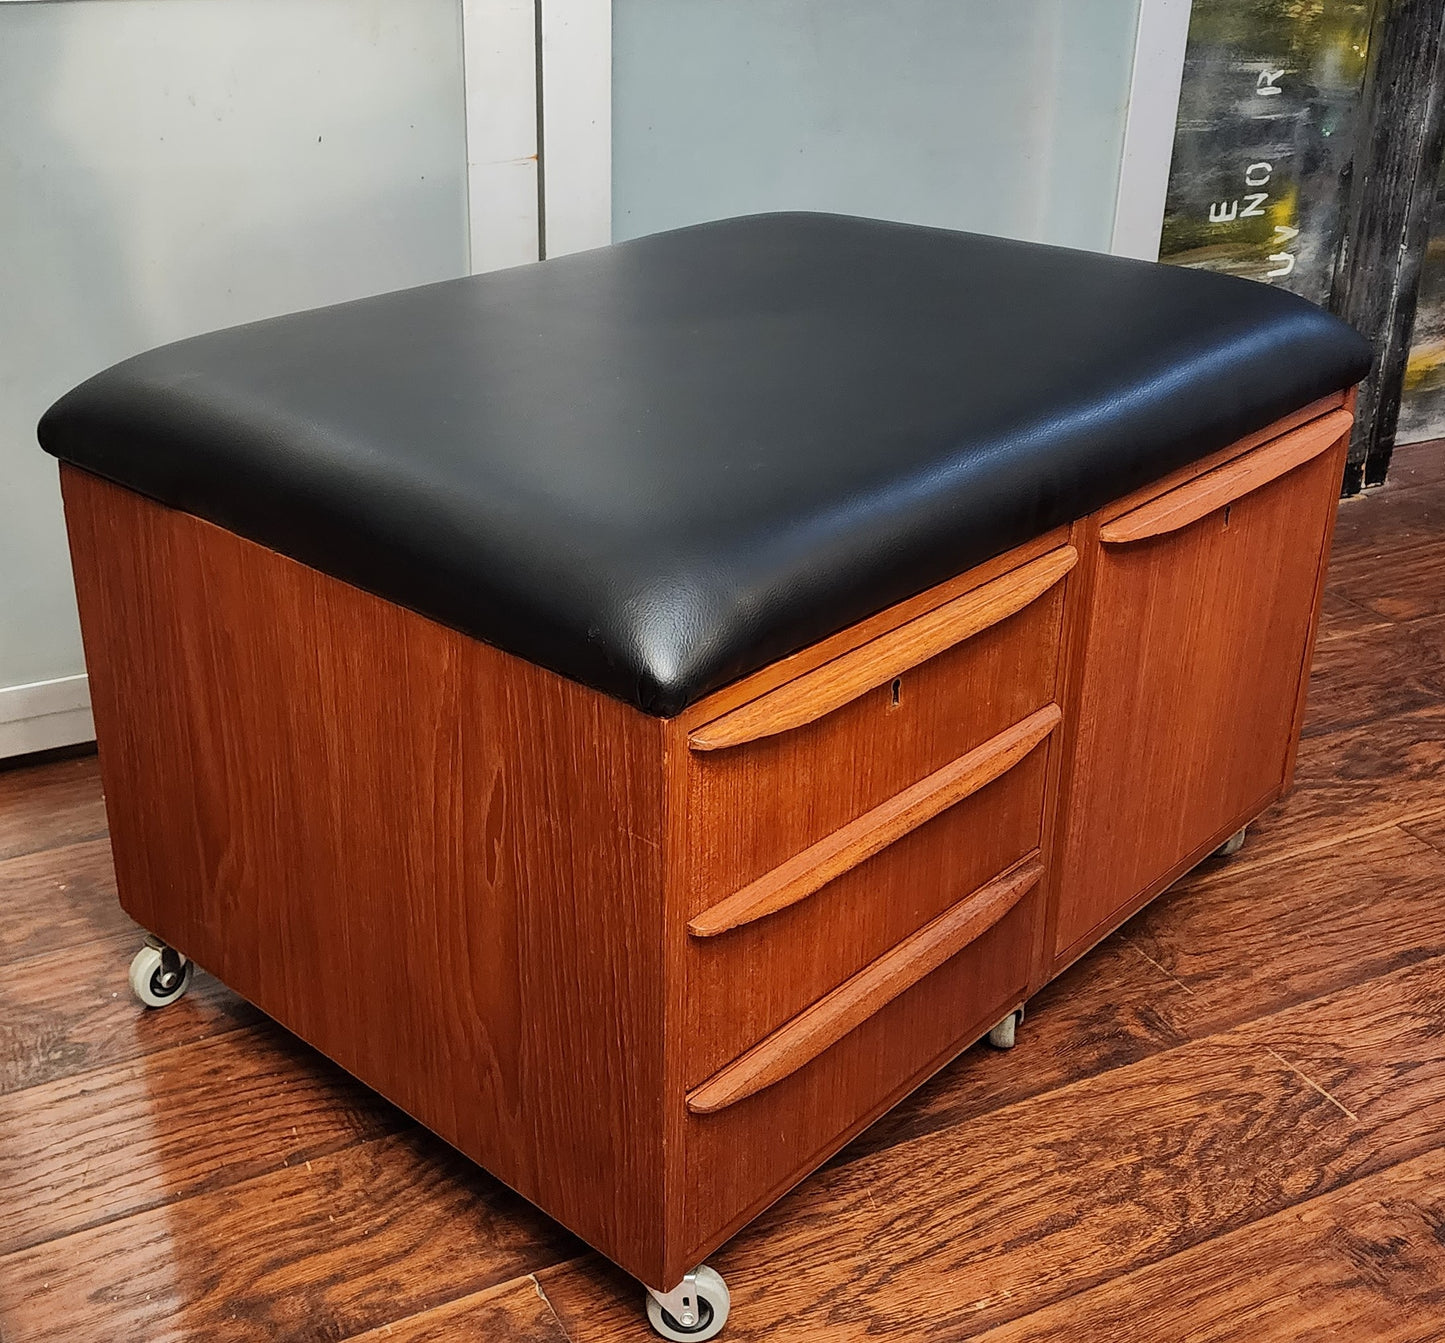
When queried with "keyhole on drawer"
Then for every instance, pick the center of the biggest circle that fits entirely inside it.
(897, 692)
(1227, 509)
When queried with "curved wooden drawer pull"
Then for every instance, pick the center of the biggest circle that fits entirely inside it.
(848, 1006)
(875, 830)
(842, 680)
(1200, 497)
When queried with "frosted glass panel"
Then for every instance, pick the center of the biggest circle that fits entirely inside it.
(169, 166)
(1000, 117)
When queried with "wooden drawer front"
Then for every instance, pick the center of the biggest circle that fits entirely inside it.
(1197, 643)
(760, 793)
(842, 904)
(743, 1154)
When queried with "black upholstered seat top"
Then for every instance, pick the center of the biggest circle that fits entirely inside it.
(658, 466)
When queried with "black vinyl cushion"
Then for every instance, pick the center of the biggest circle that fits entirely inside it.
(658, 466)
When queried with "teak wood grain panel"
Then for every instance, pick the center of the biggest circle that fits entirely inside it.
(754, 806)
(818, 1028)
(846, 640)
(809, 697)
(744, 1156)
(1187, 503)
(1284, 425)
(809, 871)
(1196, 645)
(439, 865)
(750, 980)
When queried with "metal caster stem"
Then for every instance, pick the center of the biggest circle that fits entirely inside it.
(1005, 1034)
(1232, 845)
(696, 1309)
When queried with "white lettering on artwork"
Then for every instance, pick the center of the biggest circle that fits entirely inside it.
(1251, 204)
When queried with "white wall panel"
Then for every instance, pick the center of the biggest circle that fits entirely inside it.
(1003, 118)
(171, 166)
(577, 124)
(501, 69)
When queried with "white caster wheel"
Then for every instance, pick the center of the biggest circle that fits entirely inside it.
(1233, 844)
(695, 1309)
(1005, 1034)
(159, 974)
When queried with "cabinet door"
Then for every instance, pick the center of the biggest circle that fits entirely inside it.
(1197, 642)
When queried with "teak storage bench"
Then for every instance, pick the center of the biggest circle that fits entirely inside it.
(644, 713)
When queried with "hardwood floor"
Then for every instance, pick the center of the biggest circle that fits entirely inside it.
(1226, 1123)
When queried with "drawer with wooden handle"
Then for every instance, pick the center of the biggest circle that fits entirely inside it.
(786, 940)
(786, 1104)
(1195, 655)
(786, 770)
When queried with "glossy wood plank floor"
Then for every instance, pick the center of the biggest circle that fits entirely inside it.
(1227, 1123)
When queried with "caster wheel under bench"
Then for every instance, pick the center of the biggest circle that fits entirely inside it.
(696, 1309)
(1005, 1034)
(742, 664)
(159, 974)
(1233, 844)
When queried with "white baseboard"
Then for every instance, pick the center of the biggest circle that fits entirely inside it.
(44, 714)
